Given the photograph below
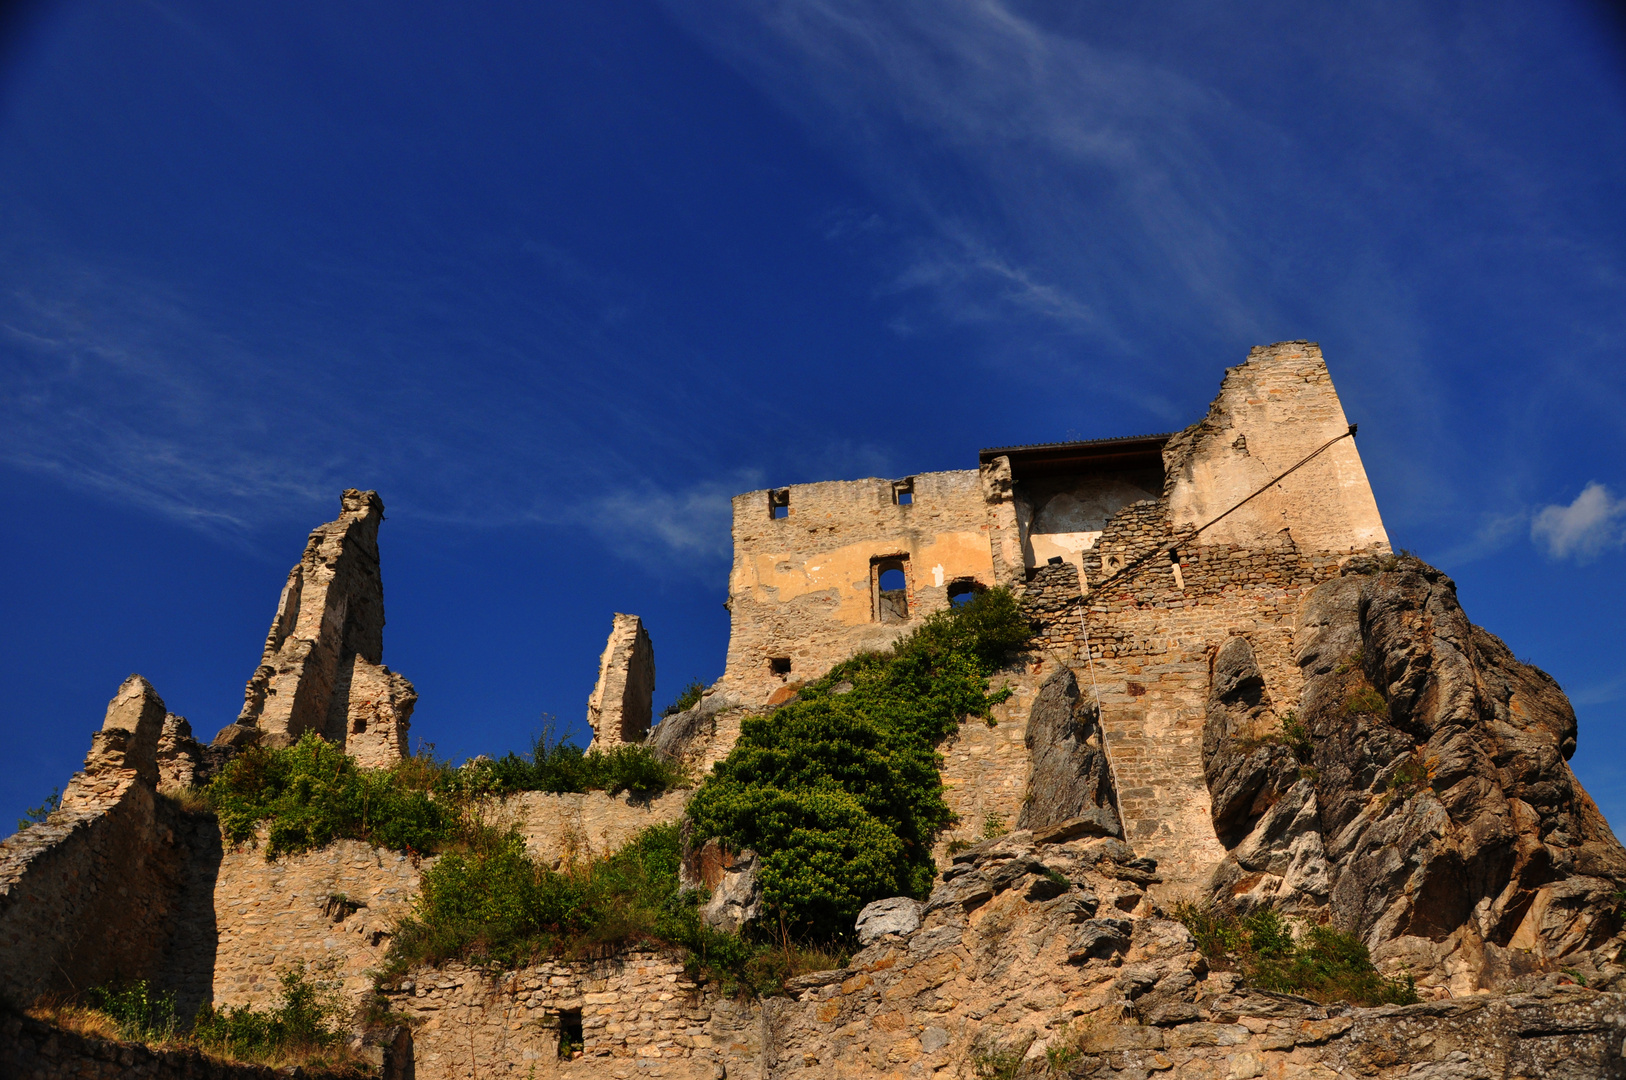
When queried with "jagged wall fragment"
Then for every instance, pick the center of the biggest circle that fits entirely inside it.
(622, 702)
(322, 669)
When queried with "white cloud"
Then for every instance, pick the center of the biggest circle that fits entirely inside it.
(1594, 521)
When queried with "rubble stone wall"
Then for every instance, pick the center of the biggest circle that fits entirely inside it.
(87, 896)
(802, 589)
(638, 1015)
(32, 1049)
(330, 910)
(562, 828)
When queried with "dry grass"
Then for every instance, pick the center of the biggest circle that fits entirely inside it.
(190, 800)
(79, 1019)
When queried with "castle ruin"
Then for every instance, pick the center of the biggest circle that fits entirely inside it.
(1193, 594)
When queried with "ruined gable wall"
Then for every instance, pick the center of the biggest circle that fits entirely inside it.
(90, 894)
(1271, 412)
(622, 702)
(801, 586)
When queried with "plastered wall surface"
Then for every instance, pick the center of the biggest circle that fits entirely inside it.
(802, 586)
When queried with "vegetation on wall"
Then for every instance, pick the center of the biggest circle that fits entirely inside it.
(838, 791)
(489, 902)
(305, 1027)
(312, 793)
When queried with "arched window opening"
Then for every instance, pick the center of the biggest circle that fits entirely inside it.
(891, 584)
(962, 592)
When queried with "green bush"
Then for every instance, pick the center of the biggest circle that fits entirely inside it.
(141, 1013)
(1324, 964)
(839, 794)
(564, 767)
(313, 793)
(489, 902)
(306, 1019)
(36, 815)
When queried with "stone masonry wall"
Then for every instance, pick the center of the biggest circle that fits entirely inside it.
(559, 829)
(621, 705)
(330, 910)
(1154, 635)
(802, 586)
(638, 1014)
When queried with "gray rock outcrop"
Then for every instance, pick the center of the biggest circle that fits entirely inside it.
(622, 703)
(1457, 842)
(322, 669)
(1071, 780)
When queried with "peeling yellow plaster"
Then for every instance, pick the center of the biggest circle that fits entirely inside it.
(780, 577)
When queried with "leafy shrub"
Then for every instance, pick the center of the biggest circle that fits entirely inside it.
(564, 767)
(686, 700)
(313, 793)
(1323, 963)
(141, 1013)
(839, 794)
(489, 902)
(1365, 701)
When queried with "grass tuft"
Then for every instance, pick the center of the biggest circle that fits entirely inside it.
(1322, 963)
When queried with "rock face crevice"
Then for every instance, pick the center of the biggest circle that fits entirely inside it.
(1457, 842)
(322, 669)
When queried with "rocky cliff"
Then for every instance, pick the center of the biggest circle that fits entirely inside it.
(1418, 794)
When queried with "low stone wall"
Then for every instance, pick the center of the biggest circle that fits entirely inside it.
(637, 1015)
(35, 1050)
(566, 827)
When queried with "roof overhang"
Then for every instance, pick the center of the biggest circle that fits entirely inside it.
(1129, 452)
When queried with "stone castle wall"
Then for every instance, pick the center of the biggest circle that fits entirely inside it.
(569, 827)
(803, 587)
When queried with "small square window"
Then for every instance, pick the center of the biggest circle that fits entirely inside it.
(903, 492)
(779, 665)
(779, 503)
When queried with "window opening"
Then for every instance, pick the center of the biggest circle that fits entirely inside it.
(779, 503)
(891, 584)
(903, 492)
(571, 1042)
(961, 593)
(779, 665)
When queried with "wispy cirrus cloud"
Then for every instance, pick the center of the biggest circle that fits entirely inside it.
(1583, 529)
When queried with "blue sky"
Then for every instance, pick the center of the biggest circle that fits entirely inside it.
(559, 279)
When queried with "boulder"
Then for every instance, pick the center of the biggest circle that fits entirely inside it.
(895, 915)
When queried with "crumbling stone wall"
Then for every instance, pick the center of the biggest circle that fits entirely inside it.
(1271, 412)
(803, 590)
(329, 910)
(638, 1015)
(323, 668)
(622, 702)
(90, 895)
(568, 827)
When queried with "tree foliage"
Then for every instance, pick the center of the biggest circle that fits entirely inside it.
(838, 791)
